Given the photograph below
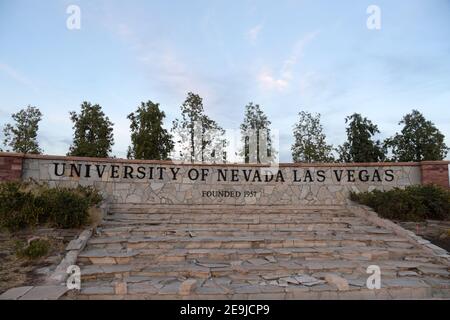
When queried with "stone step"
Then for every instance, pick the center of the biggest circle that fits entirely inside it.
(235, 218)
(153, 231)
(111, 227)
(103, 256)
(268, 237)
(232, 215)
(237, 212)
(248, 270)
(205, 270)
(169, 242)
(144, 251)
(211, 222)
(241, 225)
(141, 287)
(223, 208)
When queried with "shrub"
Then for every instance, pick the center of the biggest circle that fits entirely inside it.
(27, 205)
(36, 249)
(414, 203)
(66, 208)
(91, 194)
(436, 200)
(17, 207)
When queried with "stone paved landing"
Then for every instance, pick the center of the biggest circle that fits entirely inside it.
(273, 252)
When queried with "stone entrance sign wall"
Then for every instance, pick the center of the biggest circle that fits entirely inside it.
(163, 182)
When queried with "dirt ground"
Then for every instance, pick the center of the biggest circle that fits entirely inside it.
(16, 271)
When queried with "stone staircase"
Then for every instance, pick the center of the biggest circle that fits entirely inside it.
(252, 252)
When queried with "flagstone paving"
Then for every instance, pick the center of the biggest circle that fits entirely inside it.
(244, 252)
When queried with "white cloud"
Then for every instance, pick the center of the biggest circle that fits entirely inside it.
(253, 33)
(268, 81)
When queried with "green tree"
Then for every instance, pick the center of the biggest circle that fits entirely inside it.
(419, 140)
(149, 140)
(310, 141)
(198, 137)
(360, 146)
(256, 135)
(93, 132)
(22, 135)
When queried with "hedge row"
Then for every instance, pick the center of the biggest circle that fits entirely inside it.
(414, 203)
(29, 204)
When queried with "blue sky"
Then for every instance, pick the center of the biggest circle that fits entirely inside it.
(286, 56)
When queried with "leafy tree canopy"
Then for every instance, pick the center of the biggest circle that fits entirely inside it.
(198, 137)
(360, 145)
(419, 140)
(310, 141)
(21, 136)
(93, 132)
(256, 135)
(149, 140)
